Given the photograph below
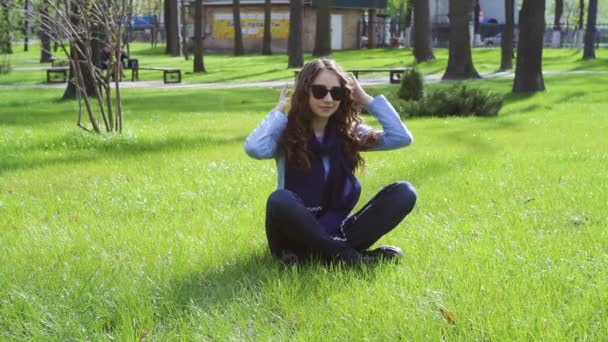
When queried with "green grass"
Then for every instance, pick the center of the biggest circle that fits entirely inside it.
(227, 68)
(160, 231)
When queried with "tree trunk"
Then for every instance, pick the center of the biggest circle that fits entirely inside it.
(371, 28)
(460, 62)
(581, 14)
(528, 70)
(199, 64)
(590, 31)
(506, 60)
(239, 49)
(266, 46)
(294, 41)
(171, 28)
(557, 18)
(26, 25)
(5, 32)
(182, 14)
(45, 38)
(423, 42)
(71, 92)
(408, 14)
(323, 30)
(476, 15)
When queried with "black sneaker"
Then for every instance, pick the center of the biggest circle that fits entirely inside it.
(389, 253)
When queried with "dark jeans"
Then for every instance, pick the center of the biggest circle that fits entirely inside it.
(292, 228)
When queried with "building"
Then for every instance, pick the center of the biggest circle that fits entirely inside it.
(346, 28)
(492, 11)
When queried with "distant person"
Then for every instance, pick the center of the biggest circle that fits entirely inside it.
(108, 64)
(317, 148)
(106, 57)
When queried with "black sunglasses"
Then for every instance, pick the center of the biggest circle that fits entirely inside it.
(319, 92)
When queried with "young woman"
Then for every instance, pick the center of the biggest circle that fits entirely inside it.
(317, 149)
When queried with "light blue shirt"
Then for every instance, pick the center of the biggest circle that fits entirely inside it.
(263, 142)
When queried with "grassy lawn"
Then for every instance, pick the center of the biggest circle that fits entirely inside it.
(159, 232)
(227, 68)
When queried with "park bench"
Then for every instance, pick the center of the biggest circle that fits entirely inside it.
(170, 75)
(57, 74)
(58, 62)
(394, 73)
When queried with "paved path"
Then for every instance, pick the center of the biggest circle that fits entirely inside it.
(373, 80)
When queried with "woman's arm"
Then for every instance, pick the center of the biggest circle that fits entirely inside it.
(263, 142)
(395, 133)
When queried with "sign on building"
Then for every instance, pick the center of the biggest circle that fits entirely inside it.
(252, 25)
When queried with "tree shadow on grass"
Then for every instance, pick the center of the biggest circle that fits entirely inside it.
(76, 151)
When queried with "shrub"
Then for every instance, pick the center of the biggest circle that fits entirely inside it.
(457, 100)
(412, 85)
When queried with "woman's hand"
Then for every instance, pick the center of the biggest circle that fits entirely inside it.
(360, 97)
(283, 99)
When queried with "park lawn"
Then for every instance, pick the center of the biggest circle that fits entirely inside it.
(159, 232)
(254, 67)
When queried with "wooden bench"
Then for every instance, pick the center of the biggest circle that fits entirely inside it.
(58, 62)
(57, 75)
(170, 75)
(394, 73)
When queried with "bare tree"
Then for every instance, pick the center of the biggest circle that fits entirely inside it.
(239, 49)
(294, 41)
(506, 58)
(423, 44)
(80, 22)
(199, 64)
(528, 70)
(590, 31)
(323, 30)
(460, 62)
(266, 45)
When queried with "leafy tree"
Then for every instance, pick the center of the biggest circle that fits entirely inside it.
(590, 31)
(460, 63)
(423, 44)
(294, 41)
(239, 49)
(528, 69)
(323, 30)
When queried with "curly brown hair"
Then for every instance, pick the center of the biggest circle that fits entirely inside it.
(294, 140)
